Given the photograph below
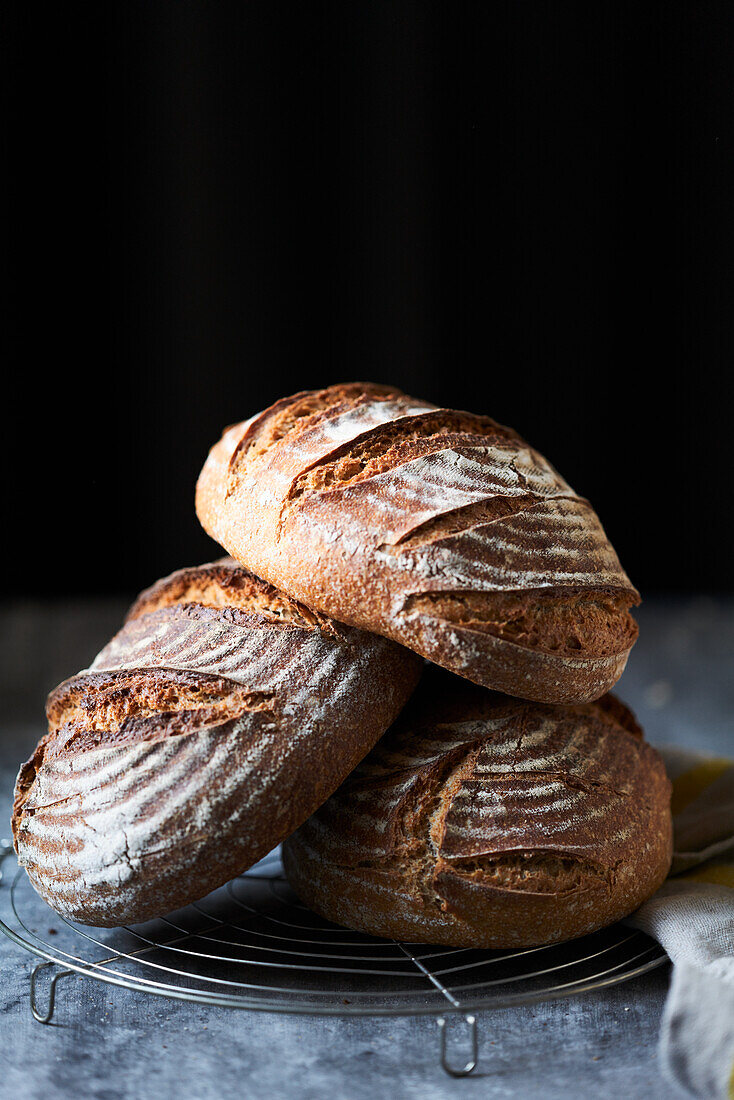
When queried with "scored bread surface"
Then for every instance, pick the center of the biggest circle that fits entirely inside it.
(484, 821)
(440, 529)
(218, 718)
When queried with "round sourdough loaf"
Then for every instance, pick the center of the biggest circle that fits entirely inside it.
(482, 821)
(439, 529)
(217, 719)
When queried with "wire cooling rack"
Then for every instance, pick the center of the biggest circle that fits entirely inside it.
(252, 944)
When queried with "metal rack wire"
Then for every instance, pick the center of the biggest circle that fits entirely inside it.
(253, 945)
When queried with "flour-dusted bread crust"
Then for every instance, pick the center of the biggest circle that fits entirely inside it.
(483, 821)
(439, 529)
(214, 723)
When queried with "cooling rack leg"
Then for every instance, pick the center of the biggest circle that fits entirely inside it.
(471, 1065)
(45, 1017)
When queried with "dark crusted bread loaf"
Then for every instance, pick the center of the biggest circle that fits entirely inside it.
(483, 821)
(440, 529)
(217, 719)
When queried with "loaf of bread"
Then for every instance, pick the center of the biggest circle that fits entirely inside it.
(439, 529)
(483, 821)
(218, 718)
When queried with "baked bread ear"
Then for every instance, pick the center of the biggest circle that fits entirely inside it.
(439, 529)
(218, 718)
(483, 821)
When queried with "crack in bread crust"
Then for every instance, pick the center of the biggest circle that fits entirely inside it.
(534, 872)
(395, 443)
(294, 415)
(592, 624)
(224, 584)
(127, 707)
(105, 700)
(479, 513)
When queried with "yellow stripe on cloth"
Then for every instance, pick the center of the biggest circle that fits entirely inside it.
(731, 1083)
(688, 786)
(720, 874)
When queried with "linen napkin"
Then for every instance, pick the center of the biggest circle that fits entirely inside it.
(692, 916)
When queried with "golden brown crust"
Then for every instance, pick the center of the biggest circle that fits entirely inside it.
(567, 624)
(483, 821)
(442, 530)
(217, 719)
(224, 583)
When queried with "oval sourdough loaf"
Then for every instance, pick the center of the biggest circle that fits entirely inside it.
(214, 722)
(483, 821)
(440, 529)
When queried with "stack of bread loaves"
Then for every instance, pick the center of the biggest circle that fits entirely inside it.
(367, 530)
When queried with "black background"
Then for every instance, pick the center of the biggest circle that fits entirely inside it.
(524, 209)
